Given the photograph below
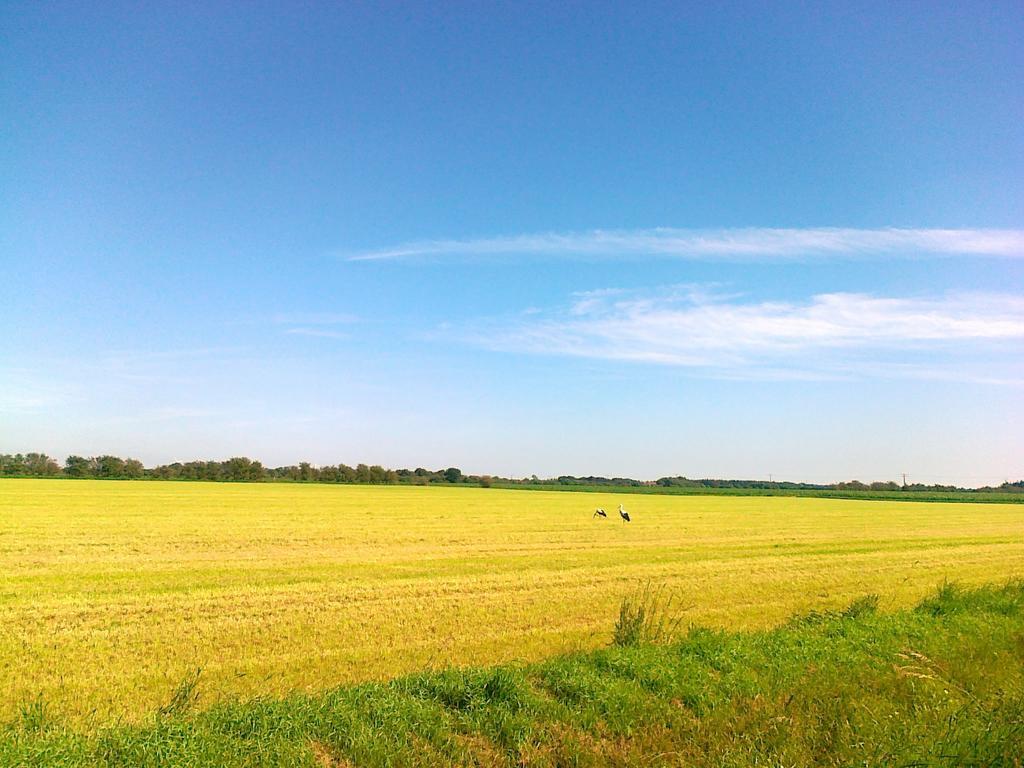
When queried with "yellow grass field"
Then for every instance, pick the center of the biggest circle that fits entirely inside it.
(113, 591)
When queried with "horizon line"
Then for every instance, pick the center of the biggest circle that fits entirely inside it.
(926, 480)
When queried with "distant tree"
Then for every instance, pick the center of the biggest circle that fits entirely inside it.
(109, 467)
(453, 475)
(167, 471)
(677, 482)
(41, 465)
(240, 469)
(192, 470)
(78, 466)
(887, 486)
(12, 465)
(418, 476)
(133, 468)
(852, 485)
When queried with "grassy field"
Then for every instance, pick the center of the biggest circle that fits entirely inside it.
(974, 497)
(939, 685)
(113, 592)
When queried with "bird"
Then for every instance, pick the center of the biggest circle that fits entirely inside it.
(623, 514)
(600, 513)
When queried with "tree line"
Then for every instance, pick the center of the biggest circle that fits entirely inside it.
(236, 469)
(850, 485)
(244, 469)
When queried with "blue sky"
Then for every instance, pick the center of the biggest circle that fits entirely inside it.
(659, 239)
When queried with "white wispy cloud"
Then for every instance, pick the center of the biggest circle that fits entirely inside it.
(722, 244)
(829, 335)
(321, 325)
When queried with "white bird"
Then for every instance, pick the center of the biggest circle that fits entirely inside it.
(623, 514)
(600, 513)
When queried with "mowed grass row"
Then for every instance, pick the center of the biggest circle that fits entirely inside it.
(112, 592)
(940, 685)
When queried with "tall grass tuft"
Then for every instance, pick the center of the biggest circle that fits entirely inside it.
(1006, 599)
(649, 616)
(861, 606)
(185, 696)
(34, 716)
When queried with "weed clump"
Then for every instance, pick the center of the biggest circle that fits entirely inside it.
(866, 605)
(649, 616)
(34, 716)
(464, 690)
(184, 697)
(1006, 599)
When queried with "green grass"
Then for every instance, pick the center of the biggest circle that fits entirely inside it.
(941, 684)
